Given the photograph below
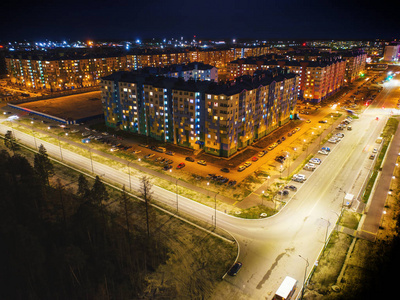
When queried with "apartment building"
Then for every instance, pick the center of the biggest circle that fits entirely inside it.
(318, 79)
(355, 65)
(58, 73)
(64, 69)
(392, 52)
(220, 118)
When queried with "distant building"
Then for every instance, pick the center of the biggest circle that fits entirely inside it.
(220, 118)
(392, 52)
(318, 79)
(195, 71)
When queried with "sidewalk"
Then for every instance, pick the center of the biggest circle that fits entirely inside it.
(376, 204)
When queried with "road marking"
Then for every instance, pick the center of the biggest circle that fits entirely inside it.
(235, 203)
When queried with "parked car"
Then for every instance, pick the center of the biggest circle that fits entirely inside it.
(235, 269)
(283, 192)
(262, 153)
(333, 140)
(170, 153)
(308, 121)
(254, 158)
(247, 164)
(323, 152)
(232, 182)
(315, 160)
(322, 121)
(149, 155)
(167, 167)
(290, 187)
(202, 162)
(299, 177)
(326, 149)
(372, 156)
(189, 159)
(180, 166)
(309, 167)
(226, 170)
(241, 168)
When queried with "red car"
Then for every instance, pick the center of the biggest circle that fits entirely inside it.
(254, 158)
(180, 166)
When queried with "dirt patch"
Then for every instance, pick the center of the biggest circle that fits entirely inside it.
(69, 107)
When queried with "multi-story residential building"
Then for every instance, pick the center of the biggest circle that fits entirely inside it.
(55, 70)
(355, 65)
(318, 79)
(392, 52)
(200, 114)
(65, 72)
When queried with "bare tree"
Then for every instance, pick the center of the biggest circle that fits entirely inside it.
(145, 190)
(126, 209)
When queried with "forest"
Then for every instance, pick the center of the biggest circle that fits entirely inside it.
(58, 244)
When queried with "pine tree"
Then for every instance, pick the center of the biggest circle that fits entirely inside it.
(83, 188)
(10, 141)
(42, 165)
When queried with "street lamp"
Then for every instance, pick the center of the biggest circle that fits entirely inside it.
(305, 276)
(262, 196)
(383, 215)
(326, 233)
(129, 172)
(215, 216)
(176, 191)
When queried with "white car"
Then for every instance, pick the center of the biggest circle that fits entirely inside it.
(323, 152)
(299, 177)
(309, 167)
(333, 140)
(315, 160)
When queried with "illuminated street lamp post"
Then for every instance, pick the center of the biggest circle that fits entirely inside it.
(383, 215)
(262, 196)
(215, 216)
(91, 160)
(129, 172)
(176, 191)
(305, 276)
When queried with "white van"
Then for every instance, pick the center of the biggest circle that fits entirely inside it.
(286, 289)
(161, 149)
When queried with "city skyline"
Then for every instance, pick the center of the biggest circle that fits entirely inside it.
(214, 20)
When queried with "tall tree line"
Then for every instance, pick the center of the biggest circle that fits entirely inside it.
(59, 244)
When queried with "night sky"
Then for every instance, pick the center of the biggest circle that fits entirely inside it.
(268, 19)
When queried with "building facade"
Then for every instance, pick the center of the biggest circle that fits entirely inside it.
(220, 118)
(318, 79)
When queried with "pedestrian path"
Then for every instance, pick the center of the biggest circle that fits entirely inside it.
(376, 204)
